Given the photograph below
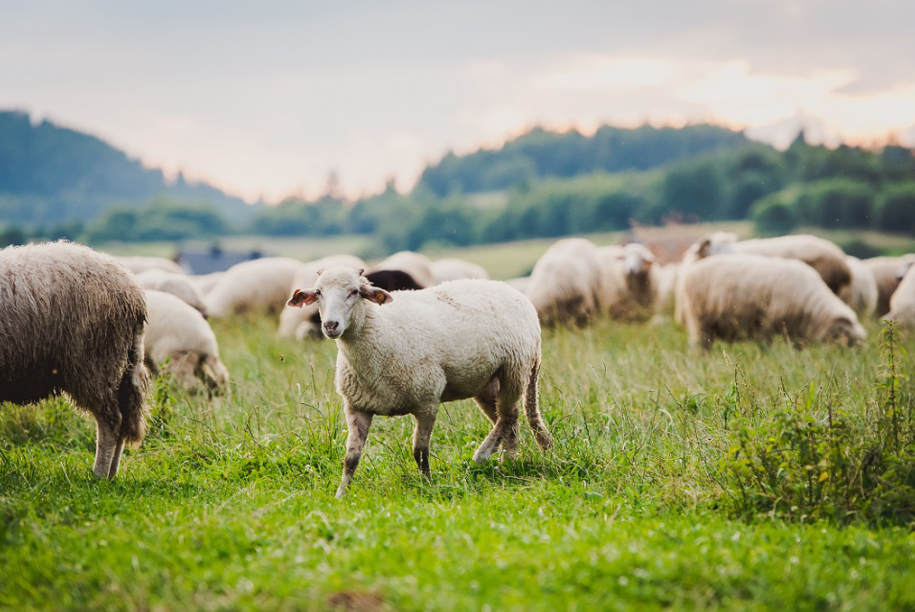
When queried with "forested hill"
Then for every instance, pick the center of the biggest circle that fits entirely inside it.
(51, 175)
(542, 154)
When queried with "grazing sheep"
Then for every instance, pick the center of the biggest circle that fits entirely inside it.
(178, 334)
(258, 285)
(305, 322)
(179, 285)
(520, 283)
(73, 321)
(888, 272)
(461, 339)
(738, 297)
(565, 282)
(862, 293)
(822, 255)
(902, 304)
(140, 263)
(626, 291)
(455, 269)
(416, 265)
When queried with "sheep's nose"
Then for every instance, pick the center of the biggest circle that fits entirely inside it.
(331, 326)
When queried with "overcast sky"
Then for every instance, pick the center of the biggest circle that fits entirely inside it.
(265, 99)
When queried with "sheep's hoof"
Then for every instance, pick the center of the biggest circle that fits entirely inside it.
(481, 457)
(341, 492)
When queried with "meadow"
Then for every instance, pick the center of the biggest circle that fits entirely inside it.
(671, 486)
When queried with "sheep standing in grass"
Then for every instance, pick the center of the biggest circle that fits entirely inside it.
(719, 243)
(626, 290)
(258, 285)
(72, 320)
(565, 283)
(179, 335)
(736, 297)
(301, 323)
(462, 339)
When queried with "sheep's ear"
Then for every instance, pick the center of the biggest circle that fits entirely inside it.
(360, 271)
(374, 294)
(705, 247)
(302, 297)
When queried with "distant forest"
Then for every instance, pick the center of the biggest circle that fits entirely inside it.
(542, 184)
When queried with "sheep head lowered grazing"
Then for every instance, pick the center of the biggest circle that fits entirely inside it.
(406, 353)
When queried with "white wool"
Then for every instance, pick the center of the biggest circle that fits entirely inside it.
(862, 293)
(902, 303)
(140, 263)
(888, 272)
(751, 296)
(564, 283)
(177, 332)
(452, 268)
(258, 285)
(625, 288)
(179, 285)
(822, 255)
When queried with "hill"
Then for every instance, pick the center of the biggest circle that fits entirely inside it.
(52, 175)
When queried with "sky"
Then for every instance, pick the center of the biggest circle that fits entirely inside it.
(267, 99)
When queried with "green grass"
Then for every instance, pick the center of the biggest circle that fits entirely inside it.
(228, 505)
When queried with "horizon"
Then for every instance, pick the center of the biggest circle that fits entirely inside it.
(269, 102)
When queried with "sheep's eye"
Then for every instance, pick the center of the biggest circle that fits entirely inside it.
(354, 292)
(317, 292)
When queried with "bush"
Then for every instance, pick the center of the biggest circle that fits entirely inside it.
(775, 214)
(896, 212)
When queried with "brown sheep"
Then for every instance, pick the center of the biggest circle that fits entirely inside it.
(73, 321)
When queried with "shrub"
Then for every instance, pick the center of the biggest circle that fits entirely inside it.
(896, 212)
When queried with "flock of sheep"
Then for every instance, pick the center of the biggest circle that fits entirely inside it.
(411, 333)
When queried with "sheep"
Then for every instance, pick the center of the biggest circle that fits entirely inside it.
(862, 293)
(416, 265)
(180, 337)
(888, 272)
(902, 304)
(822, 255)
(626, 290)
(179, 285)
(205, 282)
(663, 280)
(140, 263)
(452, 268)
(301, 323)
(257, 285)
(393, 280)
(564, 283)
(752, 296)
(73, 322)
(520, 283)
(461, 339)
(719, 243)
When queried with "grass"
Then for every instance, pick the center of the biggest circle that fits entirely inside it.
(228, 505)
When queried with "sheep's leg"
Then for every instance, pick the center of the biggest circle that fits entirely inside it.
(532, 410)
(505, 429)
(357, 424)
(106, 446)
(422, 434)
(486, 400)
(116, 458)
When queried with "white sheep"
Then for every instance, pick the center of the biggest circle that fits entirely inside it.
(178, 336)
(565, 283)
(73, 321)
(902, 304)
(822, 255)
(862, 293)
(452, 268)
(179, 285)
(738, 297)
(206, 282)
(719, 243)
(304, 322)
(521, 283)
(663, 280)
(258, 285)
(888, 272)
(625, 289)
(416, 265)
(461, 339)
(142, 263)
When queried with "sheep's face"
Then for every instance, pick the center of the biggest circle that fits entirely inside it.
(847, 332)
(337, 292)
(637, 259)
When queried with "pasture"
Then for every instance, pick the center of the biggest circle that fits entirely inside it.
(228, 505)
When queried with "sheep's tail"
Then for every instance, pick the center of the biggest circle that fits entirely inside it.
(133, 390)
(532, 410)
